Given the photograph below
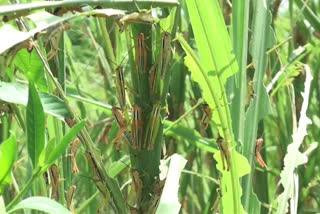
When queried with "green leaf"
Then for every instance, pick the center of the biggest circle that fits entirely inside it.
(236, 90)
(42, 204)
(118, 166)
(18, 94)
(32, 66)
(59, 150)
(35, 125)
(46, 152)
(262, 39)
(242, 166)
(217, 61)
(217, 64)
(192, 136)
(8, 150)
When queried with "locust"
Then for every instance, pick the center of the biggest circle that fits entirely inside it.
(122, 123)
(224, 151)
(141, 54)
(121, 86)
(74, 149)
(27, 44)
(137, 182)
(55, 180)
(137, 127)
(53, 36)
(159, 186)
(152, 127)
(215, 206)
(260, 160)
(153, 79)
(105, 133)
(165, 52)
(70, 195)
(120, 83)
(98, 178)
(154, 203)
(206, 117)
(142, 17)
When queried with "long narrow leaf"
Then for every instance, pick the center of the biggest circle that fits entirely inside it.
(60, 149)
(263, 38)
(294, 157)
(42, 204)
(35, 125)
(238, 87)
(171, 170)
(18, 94)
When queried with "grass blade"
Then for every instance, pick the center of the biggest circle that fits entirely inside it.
(60, 149)
(42, 204)
(240, 15)
(259, 106)
(294, 157)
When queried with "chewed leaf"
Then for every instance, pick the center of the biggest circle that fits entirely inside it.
(294, 157)
(243, 168)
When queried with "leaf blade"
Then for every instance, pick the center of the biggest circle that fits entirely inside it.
(18, 94)
(35, 125)
(7, 157)
(42, 204)
(65, 142)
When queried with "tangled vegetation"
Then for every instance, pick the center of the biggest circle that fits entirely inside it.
(159, 106)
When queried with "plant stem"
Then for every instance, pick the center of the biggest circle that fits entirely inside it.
(111, 184)
(200, 101)
(87, 202)
(24, 190)
(201, 176)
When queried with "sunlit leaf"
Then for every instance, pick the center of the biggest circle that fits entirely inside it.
(18, 94)
(32, 66)
(8, 150)
(171, 170)
(41, 204)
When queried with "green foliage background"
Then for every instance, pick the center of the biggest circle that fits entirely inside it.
(255, 63)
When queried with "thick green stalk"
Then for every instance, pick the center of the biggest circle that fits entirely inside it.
(111, 184)
(107, 44)
(183, 116)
